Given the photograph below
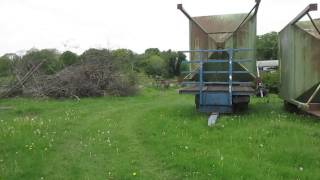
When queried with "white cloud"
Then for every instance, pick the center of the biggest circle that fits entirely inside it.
(80, 24)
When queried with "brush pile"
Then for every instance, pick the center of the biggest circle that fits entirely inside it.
(97, 74)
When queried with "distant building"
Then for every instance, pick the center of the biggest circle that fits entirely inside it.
(11, 56)
(268, 65)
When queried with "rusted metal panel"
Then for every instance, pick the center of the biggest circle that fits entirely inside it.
(299, 55)
(286, 65)
(310, 7)
(308, 27)
(224, 31)
(299, 46)
(198, 39)
(220, 23)
(245, 37)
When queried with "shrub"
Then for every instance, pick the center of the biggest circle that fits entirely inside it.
(68, 58)
(5, 66)
(155, 66)
(34, 57)
(271, 80)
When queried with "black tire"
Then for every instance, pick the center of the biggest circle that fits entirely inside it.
(240, 107)
(196, 100)
(265, 92)
(290, 107)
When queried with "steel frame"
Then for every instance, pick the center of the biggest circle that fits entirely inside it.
(201, 83)
(310, 7)
(254, 10)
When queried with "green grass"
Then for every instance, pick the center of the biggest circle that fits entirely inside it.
(155, 135)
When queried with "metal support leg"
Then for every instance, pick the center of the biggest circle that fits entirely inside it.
(313, 95)
(213, 119)
(201, 80)
(230, 52)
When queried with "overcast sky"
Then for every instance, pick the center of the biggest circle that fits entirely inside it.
(77, 25)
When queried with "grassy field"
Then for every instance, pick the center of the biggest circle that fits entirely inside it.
(155, 135)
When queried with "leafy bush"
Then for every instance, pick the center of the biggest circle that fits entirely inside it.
(152, 52)
(97, 55)
(267, 46)
(271, 80)
(155, 66)
(125, 55)
(165, 64)
(5, 66)
(34, 57)
(124, 84)
(68, 58)
(173, 61)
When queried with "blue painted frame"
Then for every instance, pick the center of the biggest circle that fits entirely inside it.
(221, 105)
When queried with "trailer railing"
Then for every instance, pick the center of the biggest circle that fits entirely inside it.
(201, 83)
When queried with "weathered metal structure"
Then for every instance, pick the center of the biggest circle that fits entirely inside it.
(299, 54)
(222, 60)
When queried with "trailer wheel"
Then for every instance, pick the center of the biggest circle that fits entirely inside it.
(196, 100)
(240, 107)
(240, 103)
(290, 107)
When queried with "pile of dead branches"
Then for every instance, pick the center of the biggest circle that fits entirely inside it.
(85, 79)
(88, 79)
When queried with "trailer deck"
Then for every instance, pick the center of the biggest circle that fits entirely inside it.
(237, 90)
(314, 109)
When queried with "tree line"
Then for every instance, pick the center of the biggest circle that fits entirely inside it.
(267, 46)
(153, 62)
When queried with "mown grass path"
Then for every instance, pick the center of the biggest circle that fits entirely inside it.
(155, 135)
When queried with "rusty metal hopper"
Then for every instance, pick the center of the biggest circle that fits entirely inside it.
(218, 27)
(299, 54)
(223, 32)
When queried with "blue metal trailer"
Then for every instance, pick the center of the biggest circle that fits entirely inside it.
(218, 96)
(222, 66)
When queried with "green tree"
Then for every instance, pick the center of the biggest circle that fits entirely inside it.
(123, 54)
(267, 46)
(151, 52)
(50, 56)
(126, 57)
(104, 56)
(5, 66)
(172, 62)
(68, 58)
(155, 66)
(96, 55)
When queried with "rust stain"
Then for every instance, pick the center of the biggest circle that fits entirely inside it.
(309, 28)
(315, 58)
(223, 33)
(220, 23)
